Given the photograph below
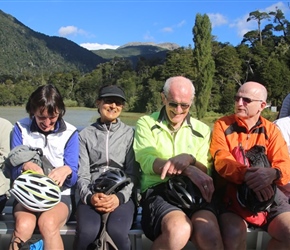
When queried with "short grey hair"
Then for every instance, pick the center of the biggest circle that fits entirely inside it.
(169, 81)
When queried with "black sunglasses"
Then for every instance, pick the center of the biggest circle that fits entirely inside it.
(175, 105)
(246, 99)
(112, 100)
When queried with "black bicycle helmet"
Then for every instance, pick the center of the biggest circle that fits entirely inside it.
(247, 198)
(182, 192)
(110, 182)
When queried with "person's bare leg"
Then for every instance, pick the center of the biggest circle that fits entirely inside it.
(49, 224)
(279, 230)
(234, 231)
(175, 232)
(25, 222)
(204, 222)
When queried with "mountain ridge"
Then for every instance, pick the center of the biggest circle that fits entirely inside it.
(24, 50)
(169, 46)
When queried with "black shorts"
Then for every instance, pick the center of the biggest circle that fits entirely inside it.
(3, 199)
(155, 207)
(66, 199)
(281, 205)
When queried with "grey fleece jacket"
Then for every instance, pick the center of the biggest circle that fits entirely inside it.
(104, 145)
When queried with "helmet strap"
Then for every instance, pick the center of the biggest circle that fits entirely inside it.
(16, 241)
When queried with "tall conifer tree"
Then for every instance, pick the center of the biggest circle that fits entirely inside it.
(204, 63)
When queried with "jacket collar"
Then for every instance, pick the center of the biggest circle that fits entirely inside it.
(241, 123)
(163, 116)
(60, 126)
(107, 126)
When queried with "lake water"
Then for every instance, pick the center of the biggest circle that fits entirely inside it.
(79, 117)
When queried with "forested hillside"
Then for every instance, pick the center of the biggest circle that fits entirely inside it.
(216, 69)
(133, 52)
(26, 51)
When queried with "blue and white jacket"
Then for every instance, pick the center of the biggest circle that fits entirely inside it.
(60, 146)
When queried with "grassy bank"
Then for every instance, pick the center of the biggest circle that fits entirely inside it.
(209, 119)
(76, 115)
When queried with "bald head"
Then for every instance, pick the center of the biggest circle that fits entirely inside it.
(256, 89)
(178, 82)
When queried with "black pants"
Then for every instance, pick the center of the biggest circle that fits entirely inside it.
(89, 223)
(3, 199)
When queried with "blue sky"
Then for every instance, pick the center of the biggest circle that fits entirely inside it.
(108, 24)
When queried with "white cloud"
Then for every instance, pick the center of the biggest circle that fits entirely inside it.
(70, 30)
(279, 5)
(172, 28)
(97, 46)
(217, 19)
(182, 23)
(242, 26)
(148, 37)
(167, 30)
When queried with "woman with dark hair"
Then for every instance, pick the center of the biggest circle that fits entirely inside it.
(58, 140)
(106, 145)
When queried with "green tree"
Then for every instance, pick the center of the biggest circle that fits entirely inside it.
(258, 16)
(228, 76)
(6, 96)
(178, 62)
(22, 91)
(275, 75)
(204, 63)
(87, 88)
(282, 24)
(128, 81)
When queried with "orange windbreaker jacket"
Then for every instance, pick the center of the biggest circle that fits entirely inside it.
(230, 131)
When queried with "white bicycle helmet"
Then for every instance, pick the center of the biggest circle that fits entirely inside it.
(35, 191)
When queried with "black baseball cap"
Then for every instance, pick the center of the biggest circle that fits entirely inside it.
(111, 90)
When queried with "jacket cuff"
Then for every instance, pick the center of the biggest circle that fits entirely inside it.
(121, 198)
(88, 200)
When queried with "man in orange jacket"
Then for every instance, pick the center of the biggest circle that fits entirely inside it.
(243, 130)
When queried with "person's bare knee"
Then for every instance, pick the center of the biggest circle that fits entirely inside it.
(203, 222)
(176, 229)
(51, 221)
(279, 230)
(234, 231)
(24, 226)
(50, 227)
